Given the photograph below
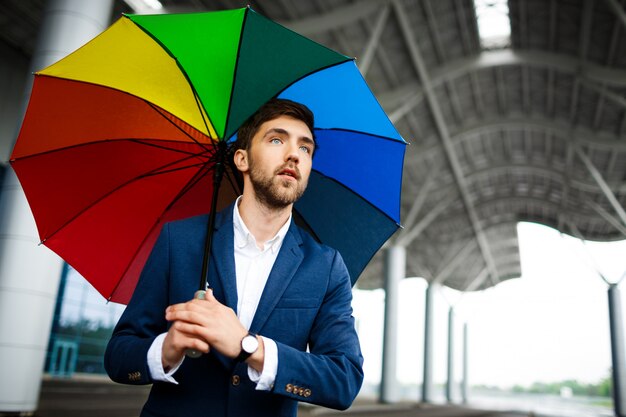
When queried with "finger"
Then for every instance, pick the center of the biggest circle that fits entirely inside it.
(181, 342)
(190, 316)
(177, 307)
(209, 295)
(196, 305)
(188, 329)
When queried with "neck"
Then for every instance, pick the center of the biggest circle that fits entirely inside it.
(262, 221)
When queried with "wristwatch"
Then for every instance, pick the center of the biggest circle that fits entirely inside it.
(249, 345)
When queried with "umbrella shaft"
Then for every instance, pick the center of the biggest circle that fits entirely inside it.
(217, 180)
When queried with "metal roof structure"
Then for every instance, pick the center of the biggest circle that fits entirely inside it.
(530, 130)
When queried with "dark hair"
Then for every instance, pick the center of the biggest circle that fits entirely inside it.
(274, 108)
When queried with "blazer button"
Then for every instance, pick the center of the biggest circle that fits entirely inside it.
(307, 393)
(235, 380)
(288, 387)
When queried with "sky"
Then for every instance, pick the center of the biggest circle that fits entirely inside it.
(549, 325)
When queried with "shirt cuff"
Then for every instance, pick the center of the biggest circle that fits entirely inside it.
(155, 364)
(265, 380)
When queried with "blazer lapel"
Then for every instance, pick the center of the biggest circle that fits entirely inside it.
(223, 257)
(286, 265)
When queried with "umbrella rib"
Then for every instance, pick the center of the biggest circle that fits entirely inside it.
(373, 135)
(138, 141)
(230, 176)
(120, 186)
(232, 86)
(160, 112)
(350, 190)
(196, 178)
(190, 184)
(154, 145)
(313, 72)
(169, 171)
(182, 70)
(299, 219)
(200, 107)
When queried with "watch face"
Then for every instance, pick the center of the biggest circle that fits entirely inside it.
(249, 344)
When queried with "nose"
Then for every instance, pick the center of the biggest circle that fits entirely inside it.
(292, 152)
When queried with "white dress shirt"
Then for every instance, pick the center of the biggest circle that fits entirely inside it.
(252, 268)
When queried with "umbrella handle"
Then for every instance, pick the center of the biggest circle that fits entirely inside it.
(193, 353)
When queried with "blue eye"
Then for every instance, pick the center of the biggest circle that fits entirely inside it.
(306, 149)
(275, 141)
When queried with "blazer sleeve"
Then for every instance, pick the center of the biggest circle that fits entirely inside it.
(331, 373)
(125, 359)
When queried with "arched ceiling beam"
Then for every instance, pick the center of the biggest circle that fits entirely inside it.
(608, 217)
(605, 92)
(511, 205)
(420, 67)
(539, 59)
(453, 263)
(590, 74)
(507, 245)
(374, 41)
(477, 281)
(523, 201)
(590, 139)
(536, 170)
(421, 197)
(618, 10)
(606, 190)
(584, 136)
(414, 231)
(336, 18)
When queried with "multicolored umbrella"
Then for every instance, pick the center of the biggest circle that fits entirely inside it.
(123, 134)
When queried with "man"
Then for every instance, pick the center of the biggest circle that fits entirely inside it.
(275, 293)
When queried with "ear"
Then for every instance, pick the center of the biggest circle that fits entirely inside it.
(241, 160)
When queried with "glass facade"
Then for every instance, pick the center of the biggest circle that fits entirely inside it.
(83, 322)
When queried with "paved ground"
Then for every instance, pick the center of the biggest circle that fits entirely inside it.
(98, 397)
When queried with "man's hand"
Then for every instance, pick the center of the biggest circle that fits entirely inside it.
(201, 325)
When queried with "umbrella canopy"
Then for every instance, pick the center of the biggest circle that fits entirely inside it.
(122, 135)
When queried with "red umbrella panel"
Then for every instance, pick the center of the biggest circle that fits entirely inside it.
(120, 191)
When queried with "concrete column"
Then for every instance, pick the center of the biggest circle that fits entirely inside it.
(30, 274)
(395, 269)
(450, 379)
(427, 381)
(618, 350)
(465, 383)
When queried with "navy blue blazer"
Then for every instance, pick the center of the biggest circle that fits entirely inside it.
(306, 302)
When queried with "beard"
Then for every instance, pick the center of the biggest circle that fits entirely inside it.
(274, 192)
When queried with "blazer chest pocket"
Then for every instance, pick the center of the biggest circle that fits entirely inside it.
(291, 320)
(298, 303)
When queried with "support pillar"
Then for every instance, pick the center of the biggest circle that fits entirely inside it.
(427, 380)
(450, 379)
(30, 274)
(395, 267)
(618, 350)
(465, 382)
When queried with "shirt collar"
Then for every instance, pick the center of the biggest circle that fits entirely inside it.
(244, 238)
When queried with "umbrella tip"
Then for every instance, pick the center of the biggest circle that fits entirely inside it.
(41, 242)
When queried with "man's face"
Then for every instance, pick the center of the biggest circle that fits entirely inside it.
(280, 160)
